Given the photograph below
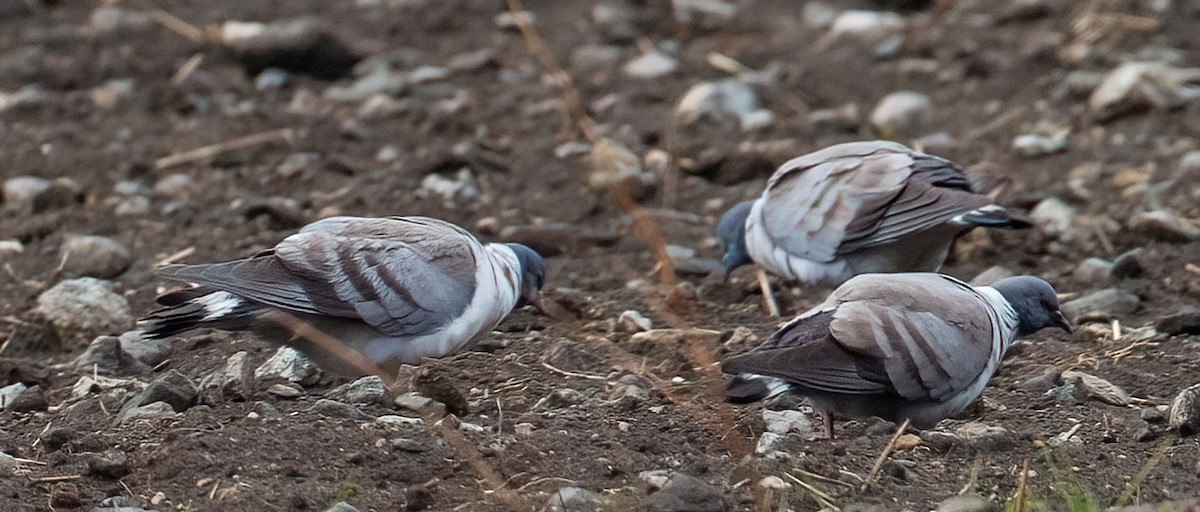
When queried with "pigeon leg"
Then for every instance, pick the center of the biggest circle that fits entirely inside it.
(768, 297)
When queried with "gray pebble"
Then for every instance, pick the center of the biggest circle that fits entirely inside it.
(94, 256)
(1110, 301)
(1185, 411)
(965, 503)
(266, 411)
(902, 115)
(1165, 226)
(105, 356)
(150, 411)
(9, 393)
(1139, 430)
(1092, 270)
(651, 65)
(8, 464)
(341, 506)
(84, 308)
(111, 464)
(1128, 264)
(286, 391)
(686, 493)
(29, 399)
(290, 365)
(1067, 394)
(335, 409)
(171, 387)
(1097, 388)
(366, 390)
(235, 380)
(1185, 320)
(405, 444)
(150, 352)
(1156, 414)
(574, 499)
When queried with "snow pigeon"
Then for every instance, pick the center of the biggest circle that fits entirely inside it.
(394, 290)
(857, 208)
(916, 346)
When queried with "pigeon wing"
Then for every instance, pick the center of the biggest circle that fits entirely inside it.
(402, 276)
(804, 354)
(859, 195)
(933, 335)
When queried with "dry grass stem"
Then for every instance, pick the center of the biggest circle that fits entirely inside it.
(769, 303)
(203, 153)
(1022, 482)
(887, 450)
(175, 256)
(554, 369)
(178, 26)
(190, 66)
(824, 500)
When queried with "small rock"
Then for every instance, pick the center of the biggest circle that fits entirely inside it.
(94, 256)
(111, 19)
(1092, 270)
(399, 421)
(1042, 380)
(1156, 414)
(1054, 217)
(105, 356)
(26, 400)
(1128, 264)
(564, 397)
(651, 65)
(150, 411)
(1185, 320)
(414, 402)
(973, 436)
(57, 437)
(1185, 411)
(655, 478)
(574, 499)
(1110, 301)
(9, 247)
(234, 380)
(1031, 145)
(150, 352)
(380, 81)
(405, 444)
(366, 390)
(1097, 388)
(171, 387)
(451, 190)
(773, 482)
(630, 389)
(290, 365)
(767, 442)
(991, 275)
(286, 391)
(1139, 430)
(717, 100)
(883, 31)
(782, 422)
(1067, 394)
(844, 119)
(266, 411)
(89, 384)
(109, 464)
(8, 465)
(908, 442)
(10, 392)
(902, 115)
(65, 495)
(21, 192)
(1164, 226)
(84, 308)
(1136, 86)
(335, 409)
(633, 321)
(302, 45)
(965, 503)
(685, 493)
(509, 19)
(341, 506)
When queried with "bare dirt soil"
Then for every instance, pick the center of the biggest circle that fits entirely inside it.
(578, 403)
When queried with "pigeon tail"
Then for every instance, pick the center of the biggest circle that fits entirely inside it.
(217, 309)
(748, 387)
(993, 216)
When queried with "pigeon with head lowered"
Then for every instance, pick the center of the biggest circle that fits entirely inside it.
(916, 346)
(857, 208)
(393, 290)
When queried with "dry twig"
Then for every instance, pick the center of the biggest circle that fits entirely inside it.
(887, 450)
(206, 152)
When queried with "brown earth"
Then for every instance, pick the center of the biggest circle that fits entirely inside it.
(993, 70)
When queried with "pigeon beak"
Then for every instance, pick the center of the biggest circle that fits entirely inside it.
(1060, 321)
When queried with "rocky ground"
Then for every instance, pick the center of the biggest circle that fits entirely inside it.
(133, 136)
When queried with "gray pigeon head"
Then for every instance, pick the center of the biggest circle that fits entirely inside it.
(1035, 302)
(731, 237)
(533, 274)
